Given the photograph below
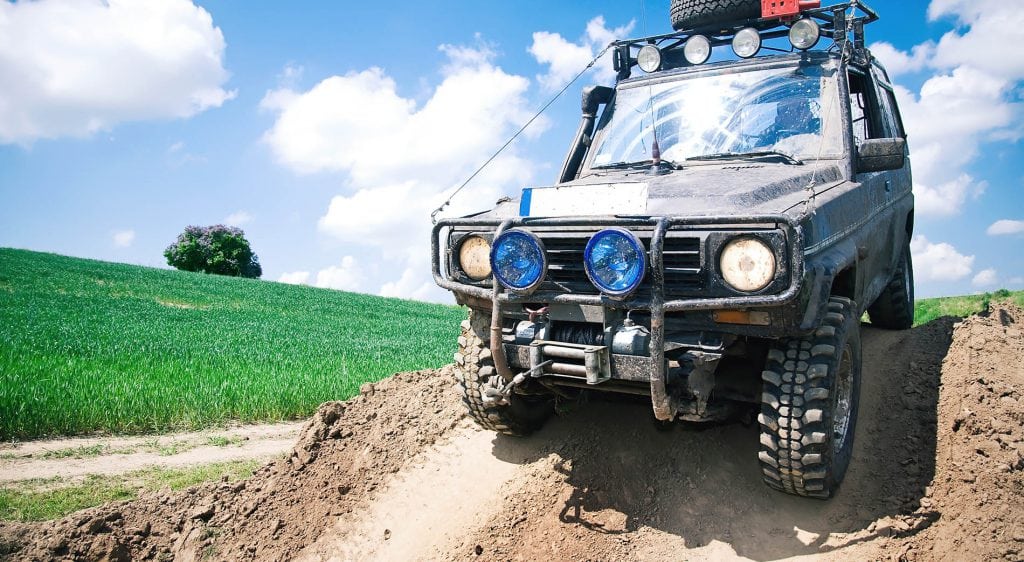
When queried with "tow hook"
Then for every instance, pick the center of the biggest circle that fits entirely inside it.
(702, 379)
(499, 395)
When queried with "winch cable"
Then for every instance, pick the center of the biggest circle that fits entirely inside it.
(433, 215)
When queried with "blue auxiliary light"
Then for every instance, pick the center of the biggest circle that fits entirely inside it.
(615, 261)
(518, 260)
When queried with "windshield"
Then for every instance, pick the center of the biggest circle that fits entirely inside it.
(794, 111)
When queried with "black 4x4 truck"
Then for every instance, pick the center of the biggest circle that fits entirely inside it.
(716, 233)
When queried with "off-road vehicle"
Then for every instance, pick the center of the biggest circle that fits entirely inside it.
(721, 223)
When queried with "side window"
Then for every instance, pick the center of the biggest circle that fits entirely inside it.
(865, 115)
(893, 122)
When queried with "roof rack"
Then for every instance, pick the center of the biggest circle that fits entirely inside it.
(843, 23)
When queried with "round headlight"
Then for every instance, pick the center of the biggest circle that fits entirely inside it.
(649, 58)
(475, 257)
(615, 261)
(804, 34)
(518, 260)
(746, 43)
(747, 264)
(697, 49)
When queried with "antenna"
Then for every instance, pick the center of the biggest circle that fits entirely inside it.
(433, 215)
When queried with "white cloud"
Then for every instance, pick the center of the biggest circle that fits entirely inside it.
(401, 160)
(947, 199)
(72, 68)
(238, 218)
(294, 278)
(970, 100)
(566, 59)
(947, 121)
(291, 75)
(985, 278)
(124, 238)
(994, 29)
(938, 262)
(898, 62)
(411, 285)
(348, 276)
(1005, 226)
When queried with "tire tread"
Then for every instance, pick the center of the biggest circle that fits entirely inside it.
(474, 366)
(795, 420)
(689, 14)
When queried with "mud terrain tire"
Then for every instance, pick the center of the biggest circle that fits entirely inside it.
(689, 14)
(474, 368)
(894, 308)
(808, 383)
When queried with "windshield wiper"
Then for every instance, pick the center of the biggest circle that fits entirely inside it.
(638, 165)
(785, 158)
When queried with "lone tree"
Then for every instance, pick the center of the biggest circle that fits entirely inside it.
(218, 249)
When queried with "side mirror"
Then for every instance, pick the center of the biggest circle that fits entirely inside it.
(879, 155)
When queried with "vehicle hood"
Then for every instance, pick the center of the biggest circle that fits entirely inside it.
(704, 190)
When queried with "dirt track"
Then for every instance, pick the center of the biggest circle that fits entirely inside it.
(398, 473)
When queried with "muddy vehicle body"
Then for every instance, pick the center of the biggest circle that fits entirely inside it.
(716, 233)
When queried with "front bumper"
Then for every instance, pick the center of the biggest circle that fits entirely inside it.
(665, 407)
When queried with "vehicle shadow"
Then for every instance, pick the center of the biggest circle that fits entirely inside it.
(705, 485)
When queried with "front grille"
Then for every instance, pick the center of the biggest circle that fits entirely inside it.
(684, 274)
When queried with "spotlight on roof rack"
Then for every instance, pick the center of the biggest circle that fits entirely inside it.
(649, 58)
(804, 34)
(746, 43)
(697, 49)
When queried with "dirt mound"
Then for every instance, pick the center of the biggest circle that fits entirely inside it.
(979, 477)
(345, 451)
(396, 473)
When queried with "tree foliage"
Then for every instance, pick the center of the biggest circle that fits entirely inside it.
(218, 249)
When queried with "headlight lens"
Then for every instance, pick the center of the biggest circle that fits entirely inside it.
(475, 257)
(518, 260)
(747, 264)
(697, 49)
(649, 59)
(615, 261)
(804, 34)
(746, 43)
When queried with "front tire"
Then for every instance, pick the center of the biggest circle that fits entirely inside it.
(811, 388)
(475, 371)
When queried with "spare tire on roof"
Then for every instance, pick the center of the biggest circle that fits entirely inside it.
(688, 14)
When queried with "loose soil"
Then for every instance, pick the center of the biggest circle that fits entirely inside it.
(399, 473)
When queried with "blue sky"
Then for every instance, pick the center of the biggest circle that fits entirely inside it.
(328, 130)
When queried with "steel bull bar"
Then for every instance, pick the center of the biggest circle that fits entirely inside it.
(665, 406)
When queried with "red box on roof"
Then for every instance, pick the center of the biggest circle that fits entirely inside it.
(786, 8)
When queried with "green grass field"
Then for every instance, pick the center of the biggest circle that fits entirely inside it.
(926, 310)
(91, 346)
(43, 499)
